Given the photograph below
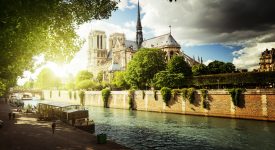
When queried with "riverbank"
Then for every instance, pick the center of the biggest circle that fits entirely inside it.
(25, 133)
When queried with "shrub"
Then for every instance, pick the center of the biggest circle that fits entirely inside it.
(166, 95)
(155, 95)
(50, 94)
(175, 92)
(105, 93)
(189, 94)
(82, 98)
(70, 94)
(131, 96)
(143, 94)
(236, 95)
(204, 96)
(75, 95)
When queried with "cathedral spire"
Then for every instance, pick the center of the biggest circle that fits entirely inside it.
(139, 36)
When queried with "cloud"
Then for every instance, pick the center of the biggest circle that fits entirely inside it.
(208, 62)
(249, 57)
(124, 4)
(212, 21)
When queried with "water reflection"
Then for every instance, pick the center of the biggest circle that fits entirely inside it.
(149, 130)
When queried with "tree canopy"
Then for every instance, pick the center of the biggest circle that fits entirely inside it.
(144, 65)
(32, 27)
(47, 80)
(178, 65)
(217, 67)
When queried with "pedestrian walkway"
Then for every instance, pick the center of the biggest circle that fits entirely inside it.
(25, 133)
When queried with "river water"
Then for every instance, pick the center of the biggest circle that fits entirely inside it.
(150, 130)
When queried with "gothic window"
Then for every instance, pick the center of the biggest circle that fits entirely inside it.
(101, 42)
(97, 40)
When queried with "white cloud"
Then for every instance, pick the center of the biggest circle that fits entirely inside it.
(249, 57)
(207, 62)
(124, 4)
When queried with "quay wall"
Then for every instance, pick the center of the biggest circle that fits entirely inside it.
(258, 104)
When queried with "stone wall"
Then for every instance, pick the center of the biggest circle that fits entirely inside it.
(258, 104)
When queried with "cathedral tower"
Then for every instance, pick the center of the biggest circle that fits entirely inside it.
(139, 36)
(97, 52)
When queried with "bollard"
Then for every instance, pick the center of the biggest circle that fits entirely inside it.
(101, 138)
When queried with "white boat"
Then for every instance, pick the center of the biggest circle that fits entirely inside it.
(27, 96)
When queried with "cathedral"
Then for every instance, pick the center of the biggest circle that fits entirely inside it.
(117, 54)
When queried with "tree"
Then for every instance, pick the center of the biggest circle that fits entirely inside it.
(217, 67)
(142, 68)
(199, 69)
(167, 79)
(83, 75)
(120, 81)
(31, 27)
(178, 65)
(47, 80)
(85, 85)
(99, 76)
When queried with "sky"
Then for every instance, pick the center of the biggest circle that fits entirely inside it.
(234, 31)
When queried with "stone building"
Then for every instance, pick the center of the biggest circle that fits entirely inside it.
(120, 50)
(267, 60)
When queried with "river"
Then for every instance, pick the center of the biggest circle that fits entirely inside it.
(150, 130)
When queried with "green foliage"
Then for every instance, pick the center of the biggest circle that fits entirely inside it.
(85, 85)
(119, 80)
(189, 94)
(2, 88)
(175, 92)
(82, 97)
(155, 95)
(105, 93)
(75, 95)
(83, 75)
(59, 93)
(29, 28)
(217, 67)
(70, 94)
(178, 65)
(249, 78)
(143, 94)
(204, 96)
(99, 77)
(167, 79)
(46, 79)
(236, 96)
(70, 85)
(51, 94)
(144, 65)
(131, 96)
(199, 69)
(166, 95)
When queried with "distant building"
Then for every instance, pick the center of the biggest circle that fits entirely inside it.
(117, 54)
(267, 60)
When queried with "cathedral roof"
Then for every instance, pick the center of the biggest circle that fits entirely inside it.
(114, 67)
(131, 44)
(166, 40)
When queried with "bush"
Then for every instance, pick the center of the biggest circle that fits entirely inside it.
(175, 92)
(143, 94)
(70, 94)
(204, 96)
(166, 95)
(189, 94)
(105, 93)
(75, 95)
(131, 96)
(236, 96)
(82, 97)
(155, 95)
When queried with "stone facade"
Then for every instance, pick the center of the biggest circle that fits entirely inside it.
(267, 60)
(120, 50)
(259, 104)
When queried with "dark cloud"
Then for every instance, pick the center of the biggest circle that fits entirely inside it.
(239, 15)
